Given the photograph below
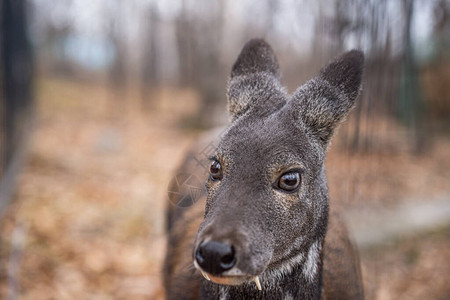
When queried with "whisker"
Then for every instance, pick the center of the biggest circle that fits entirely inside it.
(189, 267)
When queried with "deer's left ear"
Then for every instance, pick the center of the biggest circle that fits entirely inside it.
(323, 102)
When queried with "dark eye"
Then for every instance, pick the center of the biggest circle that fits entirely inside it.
(216, 170)
(289, 181)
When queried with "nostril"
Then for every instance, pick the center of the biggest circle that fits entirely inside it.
(228, 260)
(215, 257)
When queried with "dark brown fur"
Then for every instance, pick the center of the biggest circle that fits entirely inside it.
(274, 232)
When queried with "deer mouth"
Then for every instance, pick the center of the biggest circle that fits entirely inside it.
(229, 279)
(232, 280)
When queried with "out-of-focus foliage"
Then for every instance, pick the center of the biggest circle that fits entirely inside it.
(192, 43)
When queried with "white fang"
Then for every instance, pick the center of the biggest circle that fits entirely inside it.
(206, 276)
(258, 284)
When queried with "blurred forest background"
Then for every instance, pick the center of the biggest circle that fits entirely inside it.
(100, 100)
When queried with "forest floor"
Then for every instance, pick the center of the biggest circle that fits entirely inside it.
(87, 220)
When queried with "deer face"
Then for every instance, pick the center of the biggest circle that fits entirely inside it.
(267, 200)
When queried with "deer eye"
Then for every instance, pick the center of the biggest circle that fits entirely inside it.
(215, 170)
(289, 181)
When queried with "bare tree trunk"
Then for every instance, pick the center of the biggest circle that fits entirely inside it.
(149, 76)
(117, 74)
(16, 84)
(185, 39)
(411, 106)
(199, 42)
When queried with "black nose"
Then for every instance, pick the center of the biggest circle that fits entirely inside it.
(215, 257)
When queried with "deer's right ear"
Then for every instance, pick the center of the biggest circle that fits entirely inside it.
(323, 102)
(255, 77)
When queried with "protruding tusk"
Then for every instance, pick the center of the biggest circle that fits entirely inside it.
(258, 284)
(205, 275)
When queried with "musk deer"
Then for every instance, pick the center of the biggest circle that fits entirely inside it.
(264, 229)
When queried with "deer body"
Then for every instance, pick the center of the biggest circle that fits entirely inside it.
(264, 229)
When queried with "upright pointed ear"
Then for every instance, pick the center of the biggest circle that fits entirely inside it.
(323, 102)
(255, 80)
